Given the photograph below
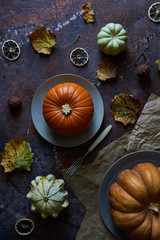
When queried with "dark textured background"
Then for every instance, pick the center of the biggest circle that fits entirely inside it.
(23, 76)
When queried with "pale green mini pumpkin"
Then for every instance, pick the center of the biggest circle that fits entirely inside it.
(48, 196)
(112, 39)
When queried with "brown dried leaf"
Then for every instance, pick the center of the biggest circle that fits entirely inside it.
(42, 40)
(88, 13)
(158, 63)
(107, 69)
(125, 108)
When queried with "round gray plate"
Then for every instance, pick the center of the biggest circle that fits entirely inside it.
(42, 127)
(126, 162)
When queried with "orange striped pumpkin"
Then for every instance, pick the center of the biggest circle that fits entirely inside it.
(68, 109)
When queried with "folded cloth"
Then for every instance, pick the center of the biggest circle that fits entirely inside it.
(85, 182)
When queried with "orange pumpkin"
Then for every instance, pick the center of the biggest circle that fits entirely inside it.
(135, 202)
(68, 109)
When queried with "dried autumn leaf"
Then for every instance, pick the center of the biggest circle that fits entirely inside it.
(42, 40)
(158, 63)
(17, 154)
(125, 108)
(107, 69)
(88, 13)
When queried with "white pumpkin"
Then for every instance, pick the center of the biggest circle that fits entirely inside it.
(48, 196)
(112, 39)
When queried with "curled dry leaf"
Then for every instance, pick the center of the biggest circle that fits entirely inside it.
(158, 63)
(88, 13)
(42, 40)
(107, 69)
(125, 108)
(17, 154)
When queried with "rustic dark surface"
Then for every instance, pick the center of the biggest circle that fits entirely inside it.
(22, 77)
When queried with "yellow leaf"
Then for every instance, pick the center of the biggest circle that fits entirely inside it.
(158, 63)
(125, 108)
(88, 13)
(17, 154)
(107, 70)
(42, 40)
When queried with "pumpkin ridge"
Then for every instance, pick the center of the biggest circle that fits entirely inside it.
(117, 201)
(37, 194)
(87, 112)
(53, 96)
(54, 193)
(56, 117)
(52, 113)
(128, 188)
(75, 120)
(47, 187)
(59, 96)
(57, 123)
(52, 207)
(148, 169)
(78, 95)
(52, 184)
(141, 179)
(73, 124)
(38, 207)
(37, 188)
(119, 218)
(134, 233)
(85, 115)
(50, 110)
(85, 100)
(108, 30)
(79, 116)
(110, 44)
(56, 203)
(48, 101)
(70, 91)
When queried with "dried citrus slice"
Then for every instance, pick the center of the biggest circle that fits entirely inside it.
(154, 12)
(79, 57)
(10, 50)
(24, 226)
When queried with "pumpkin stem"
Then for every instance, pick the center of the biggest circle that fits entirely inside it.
(45, 199)
(66, 109)
(154, 207)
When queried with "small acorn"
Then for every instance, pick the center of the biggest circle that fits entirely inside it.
(143, 70)
(14, 104)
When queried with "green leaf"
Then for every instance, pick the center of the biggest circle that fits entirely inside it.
(17, 154)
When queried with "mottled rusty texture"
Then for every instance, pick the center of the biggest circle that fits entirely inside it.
(22, 78)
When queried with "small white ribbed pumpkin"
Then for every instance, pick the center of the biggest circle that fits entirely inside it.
(48, 196)
(112, 39)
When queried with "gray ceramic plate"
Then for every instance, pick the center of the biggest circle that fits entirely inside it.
(126, 162)
(42, 127)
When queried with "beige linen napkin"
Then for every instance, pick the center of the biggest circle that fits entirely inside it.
(86, 180)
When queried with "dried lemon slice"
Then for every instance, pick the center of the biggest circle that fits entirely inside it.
(154, 12)
(79, 57)
(24, 226)
(10, 50)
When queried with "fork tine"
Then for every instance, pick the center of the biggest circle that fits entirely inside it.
(73, 167)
